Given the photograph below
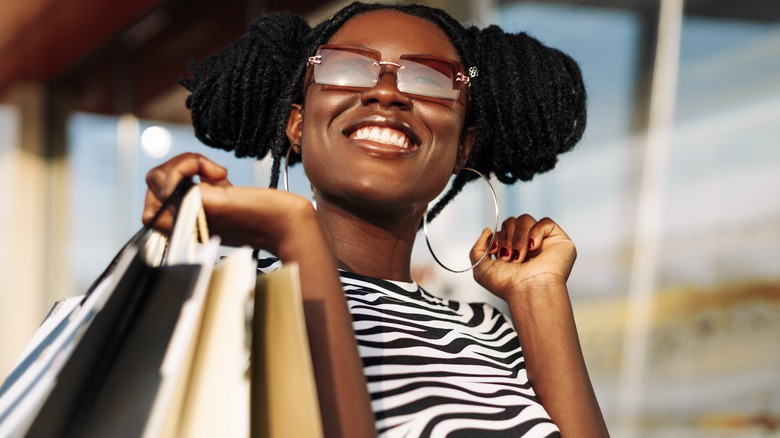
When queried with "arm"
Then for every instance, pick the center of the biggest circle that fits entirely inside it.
(533, 283)
(286, 225)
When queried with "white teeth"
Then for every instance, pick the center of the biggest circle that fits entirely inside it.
(382, 135)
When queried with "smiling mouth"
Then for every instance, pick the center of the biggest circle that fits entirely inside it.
(383, 135)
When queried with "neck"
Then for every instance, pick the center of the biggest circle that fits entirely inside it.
(376, 244)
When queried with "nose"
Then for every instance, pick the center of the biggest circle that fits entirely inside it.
(386, 92)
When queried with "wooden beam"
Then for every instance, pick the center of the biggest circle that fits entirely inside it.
(61, 33)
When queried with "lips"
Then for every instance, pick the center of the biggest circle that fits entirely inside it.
(384, 131)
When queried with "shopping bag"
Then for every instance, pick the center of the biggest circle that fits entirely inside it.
(47, 333)
(284, 393)
(28, 389)
(143, 360)
(212, 398)
(207, 375)
(56, 395)
(122, 403)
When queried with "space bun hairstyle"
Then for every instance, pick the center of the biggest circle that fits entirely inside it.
(527, 100)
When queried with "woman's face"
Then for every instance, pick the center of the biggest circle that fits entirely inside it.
(379, 148)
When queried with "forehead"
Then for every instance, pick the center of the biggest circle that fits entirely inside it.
(394, 33)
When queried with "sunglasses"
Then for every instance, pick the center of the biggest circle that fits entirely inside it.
(418, 75)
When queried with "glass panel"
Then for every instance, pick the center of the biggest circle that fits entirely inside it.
(108, 162)
(714, 356)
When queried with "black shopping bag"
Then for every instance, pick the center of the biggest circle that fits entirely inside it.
(109, 350)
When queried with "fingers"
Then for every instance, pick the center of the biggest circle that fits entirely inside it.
(521, 238)
(537, 232)
(512, 240)
(163, 179)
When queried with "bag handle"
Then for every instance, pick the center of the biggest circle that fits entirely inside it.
(189, 228)
(148, 236)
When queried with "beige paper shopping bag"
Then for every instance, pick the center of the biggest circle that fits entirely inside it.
(284, 393)
(216, 401)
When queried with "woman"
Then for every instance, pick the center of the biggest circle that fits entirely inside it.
(379, 140)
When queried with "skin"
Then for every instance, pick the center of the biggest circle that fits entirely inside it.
(370, 201)
(374, 202)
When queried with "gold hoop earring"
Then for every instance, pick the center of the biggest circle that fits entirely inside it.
(287, 168)
(492, 237)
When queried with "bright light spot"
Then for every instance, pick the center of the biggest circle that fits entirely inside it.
(156, 141)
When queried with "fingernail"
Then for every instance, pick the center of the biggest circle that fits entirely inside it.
(494, 245)
(504, 252)
(515, 255)
(530, 242)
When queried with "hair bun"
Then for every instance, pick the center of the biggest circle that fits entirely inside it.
(237, 91)
(533, 100)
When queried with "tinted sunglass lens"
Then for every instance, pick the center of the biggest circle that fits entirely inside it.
(345, 68)
(427, 77)
(418, 75)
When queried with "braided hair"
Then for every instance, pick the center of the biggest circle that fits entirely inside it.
(528, 102)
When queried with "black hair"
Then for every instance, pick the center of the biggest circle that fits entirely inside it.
(527, 102)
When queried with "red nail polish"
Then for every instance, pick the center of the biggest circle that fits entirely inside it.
(503, 253)
(530, 242)
(494, 245)
(515, 255)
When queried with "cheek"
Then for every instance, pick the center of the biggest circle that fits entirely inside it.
(317, 161)
(445, 122)
(320, 109)
(446, 129)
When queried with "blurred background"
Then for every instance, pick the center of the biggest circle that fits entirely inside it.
(671, 197)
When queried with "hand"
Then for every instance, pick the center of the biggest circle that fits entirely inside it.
(261, 218)
(525, 254)
(162, 180)
(532, 262)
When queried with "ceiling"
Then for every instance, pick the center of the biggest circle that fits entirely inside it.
(743, 10)
(123, 56)
(39, 39)
(119, 56)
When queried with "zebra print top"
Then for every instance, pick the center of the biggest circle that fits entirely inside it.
(437, 367)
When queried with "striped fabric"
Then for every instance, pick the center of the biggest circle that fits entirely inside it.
(439, 368)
